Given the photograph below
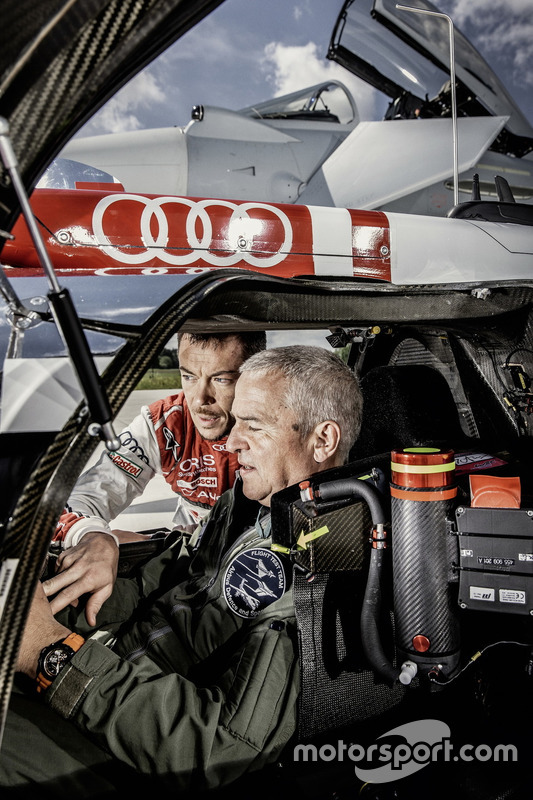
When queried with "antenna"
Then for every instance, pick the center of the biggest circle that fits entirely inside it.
(454, 99)
(505, 194)
(476, 195)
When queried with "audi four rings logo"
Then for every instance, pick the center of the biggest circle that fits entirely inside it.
(241, 229)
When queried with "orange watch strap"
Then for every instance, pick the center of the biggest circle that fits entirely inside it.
(74, 641)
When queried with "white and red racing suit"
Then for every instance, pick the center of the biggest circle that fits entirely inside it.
(161, 440)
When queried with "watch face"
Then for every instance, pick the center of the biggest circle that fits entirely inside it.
(55, 659)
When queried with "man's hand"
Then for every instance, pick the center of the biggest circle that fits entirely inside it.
(89, 567)
(41, 630)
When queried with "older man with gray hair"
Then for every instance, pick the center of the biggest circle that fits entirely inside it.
(192, 677)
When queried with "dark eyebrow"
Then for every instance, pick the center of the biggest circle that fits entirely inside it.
(213, 374)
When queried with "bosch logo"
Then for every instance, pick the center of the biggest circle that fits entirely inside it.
(217, 240)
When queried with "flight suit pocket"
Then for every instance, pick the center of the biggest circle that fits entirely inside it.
(261, 702)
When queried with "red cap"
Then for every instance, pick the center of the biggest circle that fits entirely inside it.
(421, 643)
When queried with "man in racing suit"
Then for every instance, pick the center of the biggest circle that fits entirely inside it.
(182, 437)
(191, 678)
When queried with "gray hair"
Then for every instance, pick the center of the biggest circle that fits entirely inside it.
(319, 386)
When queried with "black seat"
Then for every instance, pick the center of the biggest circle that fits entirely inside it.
(406, 406)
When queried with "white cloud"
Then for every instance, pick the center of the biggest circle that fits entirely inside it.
(290, 68)
(479, 11)
(125, 111)
(502, 31)
(209, 42)
(302, 9)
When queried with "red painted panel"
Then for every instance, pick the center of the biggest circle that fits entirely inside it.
(97, 232)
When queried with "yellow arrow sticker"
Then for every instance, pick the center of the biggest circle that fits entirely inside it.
(308, 537)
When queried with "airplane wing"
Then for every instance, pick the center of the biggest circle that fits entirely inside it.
(380, 162)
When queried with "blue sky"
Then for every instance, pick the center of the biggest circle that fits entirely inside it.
(250, 50)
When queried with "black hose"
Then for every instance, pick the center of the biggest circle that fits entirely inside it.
(348, 487)
(373, 650)
(370, 611)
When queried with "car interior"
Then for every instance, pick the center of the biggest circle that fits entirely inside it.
(441, 372)
(412, 563)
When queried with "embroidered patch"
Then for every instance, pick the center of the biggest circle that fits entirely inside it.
(221, 448)
(125, 464)
(208, 481)
(171, 443)
(254, 580)
(130, 443)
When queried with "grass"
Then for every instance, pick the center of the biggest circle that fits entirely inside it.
(160, 379)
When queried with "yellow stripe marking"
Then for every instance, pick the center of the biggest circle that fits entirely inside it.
(422, 469)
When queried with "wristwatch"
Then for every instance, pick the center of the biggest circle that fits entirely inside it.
(53, 658)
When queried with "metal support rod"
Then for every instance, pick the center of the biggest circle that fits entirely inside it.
(62, 306)
(452, 87)
(10, 162)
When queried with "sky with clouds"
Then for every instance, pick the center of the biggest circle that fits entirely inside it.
(248, 51)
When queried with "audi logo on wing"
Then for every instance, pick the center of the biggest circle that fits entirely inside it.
(203, 231)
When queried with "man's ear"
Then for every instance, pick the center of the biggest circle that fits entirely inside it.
(326, 440)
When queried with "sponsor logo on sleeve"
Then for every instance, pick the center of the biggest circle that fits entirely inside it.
(130, 443)
(125, 464)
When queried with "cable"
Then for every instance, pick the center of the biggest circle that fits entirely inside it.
(474, 658)
(517, 350)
